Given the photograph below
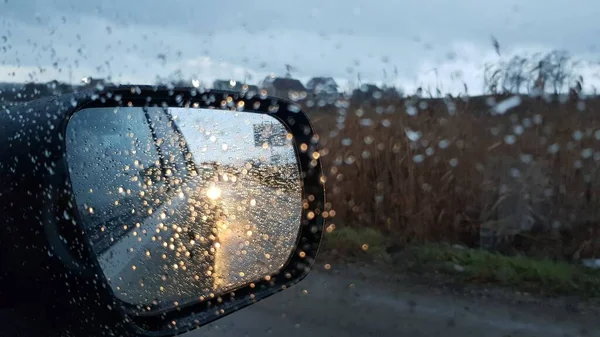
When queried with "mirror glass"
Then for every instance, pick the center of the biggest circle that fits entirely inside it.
(181, 204)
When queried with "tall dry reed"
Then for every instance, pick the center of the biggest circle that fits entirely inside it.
(435, 170)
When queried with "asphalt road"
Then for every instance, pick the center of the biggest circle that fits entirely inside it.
(361, 303)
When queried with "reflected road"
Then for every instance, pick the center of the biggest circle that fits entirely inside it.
(255, 240)
(261, 231)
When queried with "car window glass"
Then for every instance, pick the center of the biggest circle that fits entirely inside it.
(117, 192)
(460, 144)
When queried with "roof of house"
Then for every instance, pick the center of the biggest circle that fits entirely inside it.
(284, 83)
(368, 88)
(326, 81)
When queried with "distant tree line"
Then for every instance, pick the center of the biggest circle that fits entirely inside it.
(23, 92)
(553, 72)
(30, 91)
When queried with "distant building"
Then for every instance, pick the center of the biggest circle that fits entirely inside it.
(323, 88)
(227, 85)
(235, 86)
(367, 92)
(89, 82)
(55, 87)
(284, 87)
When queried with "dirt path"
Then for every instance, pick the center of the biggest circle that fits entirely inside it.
(350, 300)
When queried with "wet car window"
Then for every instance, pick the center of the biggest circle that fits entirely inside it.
(460, 142)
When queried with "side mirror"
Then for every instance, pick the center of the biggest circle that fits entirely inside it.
(154, 211)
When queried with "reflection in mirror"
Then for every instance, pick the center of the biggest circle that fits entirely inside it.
(184, 203)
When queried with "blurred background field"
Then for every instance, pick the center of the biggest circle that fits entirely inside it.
(452, 170)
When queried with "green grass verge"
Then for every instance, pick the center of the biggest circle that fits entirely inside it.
(353, 243)
(465, 265)
(526, 273)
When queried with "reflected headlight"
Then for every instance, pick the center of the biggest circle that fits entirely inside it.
(213, 193)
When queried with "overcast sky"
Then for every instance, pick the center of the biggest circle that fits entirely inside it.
(135, 41)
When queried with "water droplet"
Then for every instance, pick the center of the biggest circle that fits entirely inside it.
(412, 135)
(587, 153)
(518, 129)
(577, 135)
(553, 148)
(295, 108)
(349, 160)
(510, 139)
(526, 158)
(453, 162)
(418, 158)
(443, 144)
(411, 110)
(507, 104)
(346, 141)
(366, 122)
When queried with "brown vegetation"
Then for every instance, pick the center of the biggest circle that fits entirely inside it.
(534, 167)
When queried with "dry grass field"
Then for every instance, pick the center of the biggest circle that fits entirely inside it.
(435, 170)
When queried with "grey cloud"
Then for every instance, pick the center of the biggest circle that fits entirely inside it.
(544, 21)
(336, 38)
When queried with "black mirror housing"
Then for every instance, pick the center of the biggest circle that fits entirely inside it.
(47, 263)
